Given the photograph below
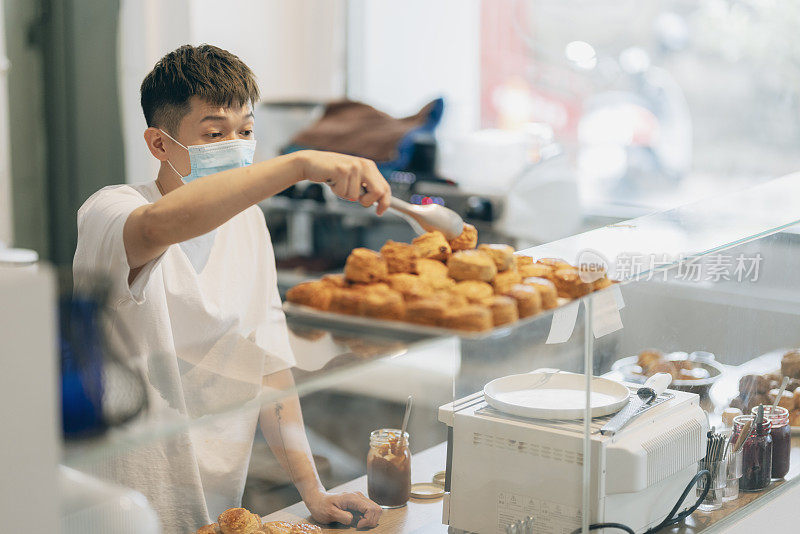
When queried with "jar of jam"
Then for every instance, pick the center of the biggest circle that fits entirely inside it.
(781, 434)
(388, 468)
(756, 453)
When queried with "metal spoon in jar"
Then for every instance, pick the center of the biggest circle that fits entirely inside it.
(406, 416)
(784, 383)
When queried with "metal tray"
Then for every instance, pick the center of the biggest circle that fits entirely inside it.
(628, 368)
(321, 319)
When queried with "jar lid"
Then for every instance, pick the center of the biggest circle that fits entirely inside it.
(740, 420)
(426, 490)
(776, 414)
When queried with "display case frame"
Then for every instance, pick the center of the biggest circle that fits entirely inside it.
(574, 337)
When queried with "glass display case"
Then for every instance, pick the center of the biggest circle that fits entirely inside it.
(508, 431)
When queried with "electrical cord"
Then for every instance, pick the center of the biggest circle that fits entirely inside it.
(671, 518)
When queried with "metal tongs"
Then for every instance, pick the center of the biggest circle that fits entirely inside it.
(429, 217)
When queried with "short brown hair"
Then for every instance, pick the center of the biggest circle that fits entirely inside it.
(208, 72)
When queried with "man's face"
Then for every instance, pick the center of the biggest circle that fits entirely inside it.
(206, 123)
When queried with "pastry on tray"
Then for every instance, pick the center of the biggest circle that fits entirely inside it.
(520, 260)
(304, 528)
(213, 528)
(400, 257)
(786, 400)
(547, 291)
(471, 265)
(335, 280)
(750, 384)
(649, 358)
(441, 283)
(347, 301)
(316, 294)
(467, 240)
(471, 318)
(365, 266)
(790, 364)
(239, 521)
(411, 286)
(506, 280)
(528, 300)
(431, 268)
(555, 263)
(450, 298)
(432, 245)
(278, 527)
(503, 255)
(473, 290)
(794, 418)
(569, 283)
(504, 310)
(377, 287)
(427, 311)
(433, 281)
(535, 270)
(384, 305)
(284, 527)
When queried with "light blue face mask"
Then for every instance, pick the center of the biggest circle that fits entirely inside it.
(216, 157)
(205, 160)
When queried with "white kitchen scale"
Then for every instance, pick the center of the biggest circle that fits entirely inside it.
(503, 468)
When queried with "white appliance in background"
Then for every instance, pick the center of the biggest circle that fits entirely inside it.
(28, 400)
(89, 505)
(503, 468)
(526, 169)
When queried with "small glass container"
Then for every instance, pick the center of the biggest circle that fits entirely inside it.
(781, 434)
(756, 453)
(718, 483)
(734, 474)
(388, 468)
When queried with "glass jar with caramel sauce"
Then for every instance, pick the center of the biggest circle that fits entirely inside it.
(388, 468)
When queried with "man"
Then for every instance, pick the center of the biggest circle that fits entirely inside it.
(193, 281)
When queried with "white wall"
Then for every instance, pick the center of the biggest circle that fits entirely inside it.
(295, 48)
(6, 235)
(403, 54)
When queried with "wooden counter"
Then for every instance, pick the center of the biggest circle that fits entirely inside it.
(425, 516)
(420, 515)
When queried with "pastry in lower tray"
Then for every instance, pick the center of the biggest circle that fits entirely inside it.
(450, 284)
(755, 389)
(652, 361)
(242, 521)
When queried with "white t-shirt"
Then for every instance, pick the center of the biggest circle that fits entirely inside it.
(204, 336)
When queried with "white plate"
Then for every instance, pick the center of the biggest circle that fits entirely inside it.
(562, 396)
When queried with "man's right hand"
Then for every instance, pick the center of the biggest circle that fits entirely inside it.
(346, 175)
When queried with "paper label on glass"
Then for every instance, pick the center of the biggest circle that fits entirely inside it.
(605, 313)
(563, 323)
